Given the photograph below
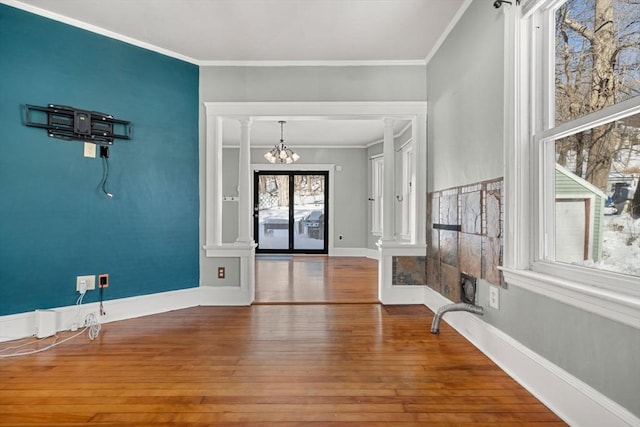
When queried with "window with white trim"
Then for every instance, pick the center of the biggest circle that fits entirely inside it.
(583, 92)
(377, 184)
(408, 191)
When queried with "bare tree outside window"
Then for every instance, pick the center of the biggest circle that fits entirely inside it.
(597, 65)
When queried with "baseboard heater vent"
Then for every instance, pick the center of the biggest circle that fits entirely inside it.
(45, 323)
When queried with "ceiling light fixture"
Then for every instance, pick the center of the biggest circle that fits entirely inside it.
(281, 153)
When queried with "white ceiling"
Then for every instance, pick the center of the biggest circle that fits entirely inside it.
(266, 30)
(273, 32)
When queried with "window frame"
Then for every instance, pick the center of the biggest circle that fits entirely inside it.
(377, 187)
(530, 187)
(408, 191)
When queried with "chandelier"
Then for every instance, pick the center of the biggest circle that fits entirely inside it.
(281, 153)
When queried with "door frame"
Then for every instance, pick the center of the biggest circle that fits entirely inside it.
(211, 194)
(303, 167)
(328, 220)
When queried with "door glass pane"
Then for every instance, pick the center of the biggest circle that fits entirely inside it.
(309, 212)
(273, 212)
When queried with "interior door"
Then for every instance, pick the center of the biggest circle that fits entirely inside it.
(290, 212)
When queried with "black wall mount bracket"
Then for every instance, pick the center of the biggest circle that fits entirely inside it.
(70, 123)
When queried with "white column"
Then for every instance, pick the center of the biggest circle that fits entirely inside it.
(419, 129)
(213, 184)
(388, 183)
(244, 189)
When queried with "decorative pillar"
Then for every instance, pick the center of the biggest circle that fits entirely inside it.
(388, 183)
(244, 190)
(213, 184)
(419, 131)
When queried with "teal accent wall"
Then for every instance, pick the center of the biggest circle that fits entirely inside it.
(55, 222)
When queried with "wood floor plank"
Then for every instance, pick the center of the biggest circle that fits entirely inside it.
(354, 363)
(319, 279)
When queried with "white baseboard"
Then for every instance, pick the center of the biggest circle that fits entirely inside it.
(398, 295)
(224, 296)
(373, 253)
(353, 252)
(16, 326)
(571, 399)
(22, 325)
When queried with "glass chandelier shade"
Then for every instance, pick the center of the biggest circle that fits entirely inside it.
(281, 153)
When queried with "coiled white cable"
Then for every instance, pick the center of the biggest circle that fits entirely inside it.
(92, 322)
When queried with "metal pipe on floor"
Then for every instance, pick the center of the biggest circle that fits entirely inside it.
(461, 306)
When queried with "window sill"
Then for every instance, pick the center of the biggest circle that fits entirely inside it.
(614, 305)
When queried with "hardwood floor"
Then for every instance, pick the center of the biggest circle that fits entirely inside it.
(281, 365)
(316, 279)
(317, 349)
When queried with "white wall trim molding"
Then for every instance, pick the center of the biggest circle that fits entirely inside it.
(397, 294)
(571, 399)
(22, 325)
(225, 296)
(98, 30)
(244, 294)
(612, 305)
(216, 112)
(348, 252)
(373, 253)
(362, 110)
(363, 63)
(207, 63)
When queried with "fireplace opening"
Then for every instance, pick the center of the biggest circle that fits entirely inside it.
(467, 288)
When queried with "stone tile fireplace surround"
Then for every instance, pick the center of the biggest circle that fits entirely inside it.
(464, 234)
(466, 238)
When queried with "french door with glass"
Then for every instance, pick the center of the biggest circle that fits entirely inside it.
(290, 212)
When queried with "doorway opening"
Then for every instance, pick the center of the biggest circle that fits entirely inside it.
(291, 212)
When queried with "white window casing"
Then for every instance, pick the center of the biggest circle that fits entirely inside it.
(530, 136)
(377, 185)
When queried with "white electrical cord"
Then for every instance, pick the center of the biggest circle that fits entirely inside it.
(91, 324)
(54, 344)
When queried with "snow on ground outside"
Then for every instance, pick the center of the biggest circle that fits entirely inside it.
(279, 238)
(617, 254)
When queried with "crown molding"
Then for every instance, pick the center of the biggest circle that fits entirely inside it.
(317, 63)
(447, 30)
(209, 63)
(97, 30)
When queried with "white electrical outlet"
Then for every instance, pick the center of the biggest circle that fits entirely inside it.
(89, 282)
(494, 297)
(90, 149)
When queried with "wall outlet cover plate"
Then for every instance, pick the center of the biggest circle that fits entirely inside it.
(90, 282)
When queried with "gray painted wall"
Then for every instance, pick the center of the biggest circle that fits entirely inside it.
(465, 87)
(465, 146)
(388, 83)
